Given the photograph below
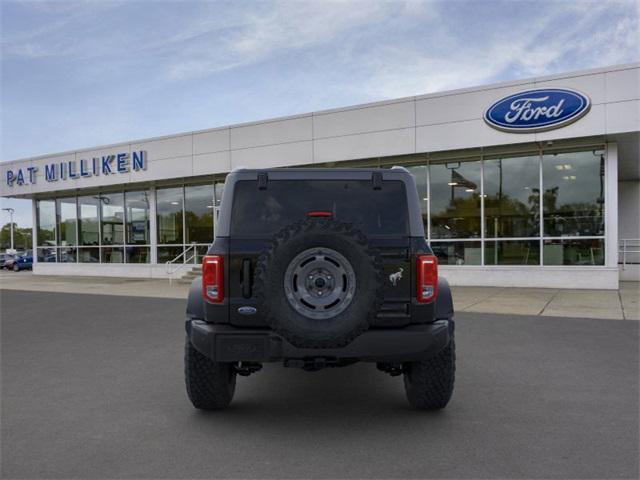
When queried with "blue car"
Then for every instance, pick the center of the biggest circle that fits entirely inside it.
(23, 262)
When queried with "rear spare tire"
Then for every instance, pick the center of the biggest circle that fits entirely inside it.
(319, 284)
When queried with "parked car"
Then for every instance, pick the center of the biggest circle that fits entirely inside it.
(7, 261)
(23, 262)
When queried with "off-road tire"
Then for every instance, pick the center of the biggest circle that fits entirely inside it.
(210, 385)
(302, 331)
(429, 383)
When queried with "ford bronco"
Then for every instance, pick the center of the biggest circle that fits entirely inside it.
(317, 268)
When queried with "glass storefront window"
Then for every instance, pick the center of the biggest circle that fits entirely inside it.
(455, 200)
(46, 218)
(420, 173)
(201, 251)
(88, 227)
(169, 217)
(574, 252)
(219, 190)
(512, 197)
(67, 221)
(112, 218)
(166, 254)
(67, 255)
(512, 252)
(198, 213)
(46, 254)
(573, 198)
(137, 254)
(112, 255)
(137, 218)
(458, 253)
(89, 255)
(115, 227)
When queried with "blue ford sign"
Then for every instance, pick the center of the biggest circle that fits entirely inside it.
(537, 110)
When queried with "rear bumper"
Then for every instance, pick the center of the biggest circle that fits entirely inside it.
(223, 343)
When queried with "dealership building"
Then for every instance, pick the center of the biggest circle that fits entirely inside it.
(529, 183)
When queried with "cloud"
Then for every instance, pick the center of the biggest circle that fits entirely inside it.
(525, 47)
(286, 26)
(403, 48)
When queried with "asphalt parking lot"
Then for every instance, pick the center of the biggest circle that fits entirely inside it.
(92, 387)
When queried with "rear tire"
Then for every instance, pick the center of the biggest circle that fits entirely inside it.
(429, 383)
(210, 385)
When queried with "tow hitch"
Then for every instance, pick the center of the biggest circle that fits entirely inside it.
(393, 369)
(318, 363)
(245, 369)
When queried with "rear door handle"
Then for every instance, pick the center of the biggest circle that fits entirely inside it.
(246, 278)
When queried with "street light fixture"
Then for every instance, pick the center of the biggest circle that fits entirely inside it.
(11, 212)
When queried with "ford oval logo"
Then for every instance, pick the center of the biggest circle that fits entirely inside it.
(247, 310)
(537, 110)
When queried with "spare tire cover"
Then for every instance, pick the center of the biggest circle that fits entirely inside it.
(319, 283)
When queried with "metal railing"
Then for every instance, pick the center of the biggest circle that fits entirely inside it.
(627, 248)
(172, 266)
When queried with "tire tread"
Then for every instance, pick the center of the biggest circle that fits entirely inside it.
(210, 385)
(429, 383)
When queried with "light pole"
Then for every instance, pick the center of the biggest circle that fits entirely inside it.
(11, 212)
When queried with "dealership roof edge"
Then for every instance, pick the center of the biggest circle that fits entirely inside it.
(445, 93)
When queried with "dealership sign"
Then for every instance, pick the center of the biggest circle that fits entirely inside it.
(537, 110)
(76, 169)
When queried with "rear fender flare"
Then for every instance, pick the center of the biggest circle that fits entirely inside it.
(444, 301)
(195, 305)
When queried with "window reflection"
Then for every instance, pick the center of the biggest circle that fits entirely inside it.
(166, 254)
(420, 173)
(88, 220)
(46, 255)
(512, 197)
(169, 207)
(67, 213)
(137, 218)
(46, 218)
(66, 255)
(458, 253)
(112, 218)
(573, 198)
(198, 213)
(574, 252)
(137, 254)
(512, 252)
(89, 255)
(455, 200)
(219, 189)
(112, 255)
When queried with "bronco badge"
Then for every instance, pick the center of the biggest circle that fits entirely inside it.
(395, 277)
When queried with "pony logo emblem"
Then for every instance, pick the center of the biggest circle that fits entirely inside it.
(394, 278)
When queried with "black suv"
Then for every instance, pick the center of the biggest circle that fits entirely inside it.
(320, 268)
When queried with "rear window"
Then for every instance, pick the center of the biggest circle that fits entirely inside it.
(265, 212)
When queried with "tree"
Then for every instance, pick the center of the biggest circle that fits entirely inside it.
(21, 237)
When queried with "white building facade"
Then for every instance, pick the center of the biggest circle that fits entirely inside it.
(531, 183)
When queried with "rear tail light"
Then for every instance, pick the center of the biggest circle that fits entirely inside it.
(427, 278)
(319, 213)
(213, 278)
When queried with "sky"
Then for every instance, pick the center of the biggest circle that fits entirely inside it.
(87, 73)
